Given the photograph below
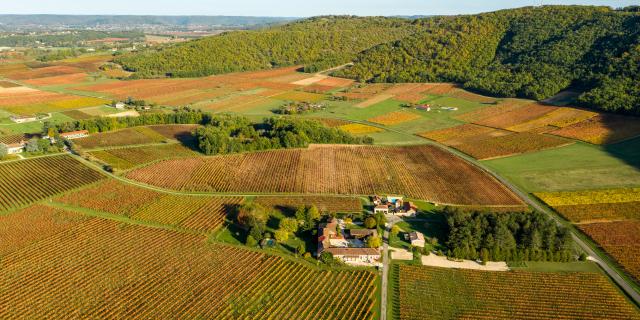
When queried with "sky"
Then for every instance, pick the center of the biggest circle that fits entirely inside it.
(279, 8)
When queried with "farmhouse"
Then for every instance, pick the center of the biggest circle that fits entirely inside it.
(74, 134)
(23, 119)
(13, 148)
(120, 105)
(347, 245)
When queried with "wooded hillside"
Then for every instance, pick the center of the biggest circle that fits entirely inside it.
(320, 43)
(529, 52)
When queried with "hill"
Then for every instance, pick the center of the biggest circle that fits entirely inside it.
(527, 52)
(320, 42)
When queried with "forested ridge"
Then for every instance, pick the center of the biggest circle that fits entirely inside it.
(319, 43)
(531, 52)
(528, 52)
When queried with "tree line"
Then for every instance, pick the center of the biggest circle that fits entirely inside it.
(228, 133)
(178, 116)
(520, 236)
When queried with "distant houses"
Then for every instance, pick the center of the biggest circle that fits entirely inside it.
(394, 205)
(347, 245)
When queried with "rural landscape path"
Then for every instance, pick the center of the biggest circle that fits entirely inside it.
(385, 270)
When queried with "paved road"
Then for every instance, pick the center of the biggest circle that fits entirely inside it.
(385, 271)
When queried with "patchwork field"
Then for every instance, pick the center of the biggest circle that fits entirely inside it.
(394, 118)
(324, 204)
(28, 101)
(441, 293)
(357, 128)
(621, 240)
(196, 213)
(127, 158)
(602, 129)
(124, 137)
(27, 181)
(606, 204)
(422, 172)
(91, 267)
(484, 143)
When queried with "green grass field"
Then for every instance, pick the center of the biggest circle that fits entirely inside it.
(574, 167)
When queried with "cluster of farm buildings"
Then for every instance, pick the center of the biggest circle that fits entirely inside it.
(349, 245)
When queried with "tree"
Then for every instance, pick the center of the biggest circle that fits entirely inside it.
(32, 145)
(326, 257)
(374, 242)
(3, 150)
(381, 219)
(281, 235)
(370, 222)
(257, 233)
(44, 145)
(395, 230)
(251, 241)
(301, 249)
(313, 214)
(251, 215)
(484, 255)
(289, 225)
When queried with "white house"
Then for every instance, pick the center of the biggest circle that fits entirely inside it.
(417, 239)
(120, 105)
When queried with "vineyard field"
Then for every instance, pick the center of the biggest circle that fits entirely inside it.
(324, 204)
(196, 213)
(442, 293)
(588, 205)
(101, 269)
(357, 128)
(27, 181)
(509, 145)
(129, 136)
(423, 172)
(602, 129)
(126, 158)
(394, 118)
(484, 143)
(621, 240)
